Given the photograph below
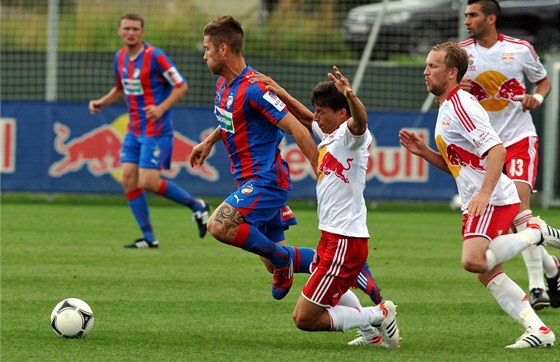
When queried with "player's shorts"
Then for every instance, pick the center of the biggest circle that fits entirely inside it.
(147, 152)
(522, 159)
(260, 205)
(339, 261)
(493, 222)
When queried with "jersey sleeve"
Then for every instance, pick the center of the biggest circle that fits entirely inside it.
(118, 79)
(481, 133)
(532, 67)
(166, 67)
(317, 131)
(266, 103)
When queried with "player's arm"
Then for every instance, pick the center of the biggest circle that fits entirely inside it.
(154, 112)
(113, 96)
(358, 122)
(293, 127)
(533, 101)
(201, 151)
(494, 165)
(296, 108)
(417, 146)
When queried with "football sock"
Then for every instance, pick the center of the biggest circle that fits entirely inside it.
(349, 299)
(139, 207)
(345, 318)
(521, 220)
(550, 266)
(513, 301)
(368, 285)
(532, 256)
(505, 247)
(249, 238)
(170, 190)
(303, 264)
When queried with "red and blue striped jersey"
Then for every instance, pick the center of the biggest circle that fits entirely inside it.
(147, 80)
(248, 114)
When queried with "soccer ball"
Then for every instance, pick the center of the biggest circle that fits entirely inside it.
(456, 203)
(72, 318)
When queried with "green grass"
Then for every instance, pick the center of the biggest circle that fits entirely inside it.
(200, 300)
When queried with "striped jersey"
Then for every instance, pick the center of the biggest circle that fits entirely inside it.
(248, 115)
(463, 136)
(341, 181)
(498, 75)
(147, 80)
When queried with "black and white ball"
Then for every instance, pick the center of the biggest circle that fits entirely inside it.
(72, 318)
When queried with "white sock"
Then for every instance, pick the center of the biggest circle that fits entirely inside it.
(513, 301)
(550, 266)
(505, 247)
(345, 318)
(349, 299)
(532, 256)
(521, 220)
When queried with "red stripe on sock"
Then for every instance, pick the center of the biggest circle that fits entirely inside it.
(241, 236)
(297, 261)
(492, 277)
(162, 187)
(131, 195)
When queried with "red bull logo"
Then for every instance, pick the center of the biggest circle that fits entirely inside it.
(458, 156)
(511, 90)
(99, 152)
(479, 92)
(494, 91)
(330, 164)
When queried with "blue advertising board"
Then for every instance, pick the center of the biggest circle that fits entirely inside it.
(60, 147)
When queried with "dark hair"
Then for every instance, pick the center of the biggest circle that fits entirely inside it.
(455, 57)
(325, 94)
(132, 16)
(226, 30)
(488, 7)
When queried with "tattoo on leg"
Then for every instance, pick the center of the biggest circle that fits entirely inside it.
(230, 219)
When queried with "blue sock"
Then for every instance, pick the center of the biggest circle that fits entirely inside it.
(139, 207)
(304, 258)
(249, 238)
(170, 190)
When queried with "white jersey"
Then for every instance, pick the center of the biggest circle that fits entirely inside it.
(463, 137)
(341, 181)
(498, 75)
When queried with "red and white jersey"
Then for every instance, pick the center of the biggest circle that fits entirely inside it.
(498, 78)
(341, 181)
(463, 137)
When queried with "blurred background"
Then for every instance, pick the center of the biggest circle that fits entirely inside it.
(56, 55)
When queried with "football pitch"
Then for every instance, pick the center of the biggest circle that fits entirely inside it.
(199, 300)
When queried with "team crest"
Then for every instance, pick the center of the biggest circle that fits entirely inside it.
(229, 101)
(507, 58)
(157, 152)
(445, 122)
(136, 73)
(247, 190)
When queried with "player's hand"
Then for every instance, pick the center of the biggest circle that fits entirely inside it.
(94, 106)
(412, 142)
(340, 82)
(477, 204)
(199, 154)
(466, 84)
(153, 112)
(528, 101)
(271, 85)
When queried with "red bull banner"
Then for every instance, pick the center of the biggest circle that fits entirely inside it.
(60, 147)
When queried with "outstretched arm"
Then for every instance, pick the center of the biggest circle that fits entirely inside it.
(290, 125)
(358, 122)
(112, 97)
(300, 111)
(201, 151)
(417, 146)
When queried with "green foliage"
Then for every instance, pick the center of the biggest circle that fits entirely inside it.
(200, 300)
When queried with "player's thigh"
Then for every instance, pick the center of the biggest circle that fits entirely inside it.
(305, 310)
(474, 250)
(149, 178)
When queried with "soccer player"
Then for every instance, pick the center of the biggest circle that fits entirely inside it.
(151, 84)
(326, 303)
(496, 76)
(471, 151)
(252, 123)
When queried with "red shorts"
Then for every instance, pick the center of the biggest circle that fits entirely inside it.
(493, 222)
(522, 159)
(339, 260)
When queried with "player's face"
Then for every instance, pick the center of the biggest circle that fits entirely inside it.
(131, 32)
(328, 119)
(475, 21)
(436, 74)
(212, 56)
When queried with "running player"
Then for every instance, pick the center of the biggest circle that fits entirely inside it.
(471, 151)
(326, 303)
(498, 66)
(151, 84)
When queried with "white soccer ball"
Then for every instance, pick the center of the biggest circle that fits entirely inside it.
(72, 318)
(456, 203)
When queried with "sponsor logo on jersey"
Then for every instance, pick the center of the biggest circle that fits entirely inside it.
(132, 87)
(173, 76)
(225, 119)
(274, 100)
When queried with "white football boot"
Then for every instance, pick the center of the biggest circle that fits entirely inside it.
(542, 337)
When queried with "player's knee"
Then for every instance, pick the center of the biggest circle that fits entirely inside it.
(474, 266)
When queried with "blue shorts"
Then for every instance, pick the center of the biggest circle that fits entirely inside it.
(147, 152)
(260, 206)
